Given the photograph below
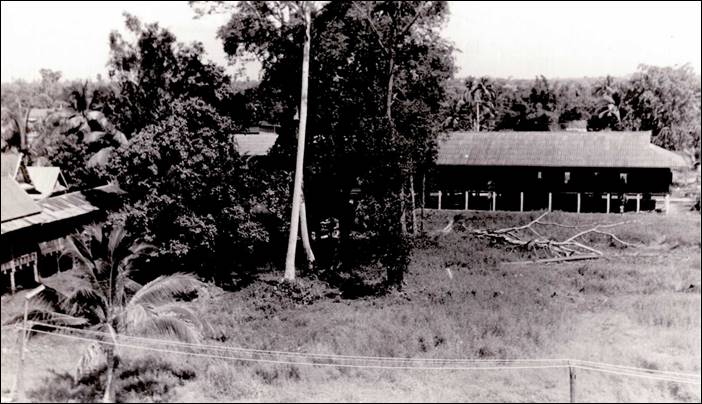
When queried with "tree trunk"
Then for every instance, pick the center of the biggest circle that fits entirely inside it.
(403, 217)
(391, 79)
(305, 234)
(424, 191)
(477, 116)
(109, 396)
(297, 187)
(415, 228)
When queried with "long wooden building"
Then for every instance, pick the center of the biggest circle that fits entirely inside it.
(571, 171)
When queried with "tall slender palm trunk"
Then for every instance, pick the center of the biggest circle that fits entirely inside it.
(297, 186)
(109, 396)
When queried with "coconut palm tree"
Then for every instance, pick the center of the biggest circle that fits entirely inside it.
(456, 113)
(115, 304)
(83, 117)
(15, 126)
(610, 102)
(480, 94)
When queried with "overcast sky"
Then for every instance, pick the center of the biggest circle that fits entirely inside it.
(499, 39)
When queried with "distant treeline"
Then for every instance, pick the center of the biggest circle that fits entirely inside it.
(664, 100)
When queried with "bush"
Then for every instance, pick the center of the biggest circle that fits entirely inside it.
(145, 379)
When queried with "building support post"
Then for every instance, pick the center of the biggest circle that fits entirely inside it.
(13, 285)
(439, 200)
(466, 207)
(521, 201)
(608, 201)
(578, 210)
(550, 201)
(494, 201)
(36, 270)
(667, 203)
(638, 203)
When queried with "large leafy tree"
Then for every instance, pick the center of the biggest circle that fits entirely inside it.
(354, 144)
(152, 69)
(666, 101)
(532, 108)
(190, 193)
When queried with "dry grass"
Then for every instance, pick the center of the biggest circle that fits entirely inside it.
(637, 307)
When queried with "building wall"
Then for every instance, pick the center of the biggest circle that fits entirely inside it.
(550, 179)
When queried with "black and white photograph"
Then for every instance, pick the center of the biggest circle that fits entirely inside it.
(351, 201)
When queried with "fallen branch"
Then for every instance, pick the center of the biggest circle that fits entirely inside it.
(566, 250)
(559, 259)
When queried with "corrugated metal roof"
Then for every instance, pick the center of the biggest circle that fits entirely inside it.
(52, 209)
(15, 202)
(555, 149)
(255, 145)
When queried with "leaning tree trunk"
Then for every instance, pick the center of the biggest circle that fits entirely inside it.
(304, 234)
(297, 187)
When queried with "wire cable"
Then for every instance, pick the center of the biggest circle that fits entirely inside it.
(591, 365)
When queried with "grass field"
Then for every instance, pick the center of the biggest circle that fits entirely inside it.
(636, 306)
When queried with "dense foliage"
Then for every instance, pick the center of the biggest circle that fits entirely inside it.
(381, 93)
(360, 152)
(665, 101)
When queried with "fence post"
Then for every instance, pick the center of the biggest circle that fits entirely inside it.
(638, 203)
(521, 201)
(571, 373)
(439, 201)
(18, 393)
(466, 201)
(550, 201)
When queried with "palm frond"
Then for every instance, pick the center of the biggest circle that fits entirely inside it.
(169, 327)
(75, 248)
(162, 289)
(41, 310)
(179, 310)
(132, 317)
(86, 300)
(131, 286)
(137, 250)
(114, 242)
